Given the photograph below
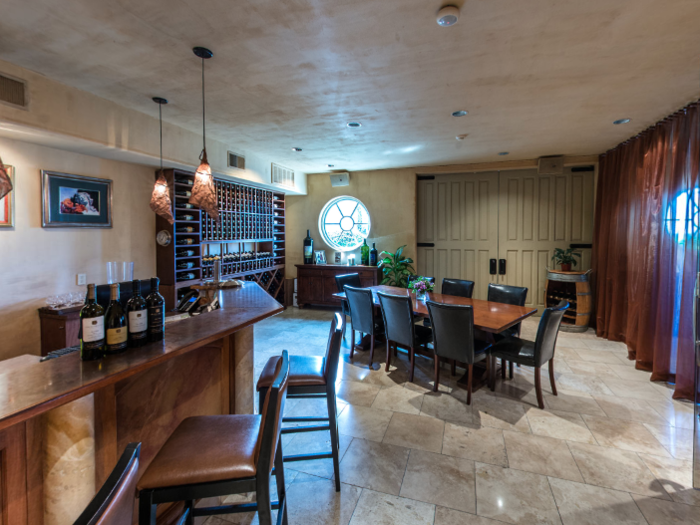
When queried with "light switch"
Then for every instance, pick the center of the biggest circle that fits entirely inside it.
(82, 279)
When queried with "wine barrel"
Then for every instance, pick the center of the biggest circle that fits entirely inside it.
(575, 288)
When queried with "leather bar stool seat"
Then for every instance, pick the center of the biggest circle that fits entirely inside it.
(303, 371)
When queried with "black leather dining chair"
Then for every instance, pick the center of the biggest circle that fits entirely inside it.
(453, 339)
(537, 353)
(458, 287)
(362, 317)
(351, 279)
(515, 295)
(400, 330)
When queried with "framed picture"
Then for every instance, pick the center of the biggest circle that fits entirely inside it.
(75, 201)
(7, 203)
(320, 257)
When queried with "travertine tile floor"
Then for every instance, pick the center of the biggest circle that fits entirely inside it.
(612, 448)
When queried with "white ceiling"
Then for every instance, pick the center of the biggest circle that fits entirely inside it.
(538, 77)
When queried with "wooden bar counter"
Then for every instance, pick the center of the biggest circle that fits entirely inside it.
(64, 422)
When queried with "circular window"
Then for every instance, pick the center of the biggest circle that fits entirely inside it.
(683, 215)
(344, 223)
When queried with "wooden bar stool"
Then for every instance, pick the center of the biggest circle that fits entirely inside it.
(210, 456)
(309, 378)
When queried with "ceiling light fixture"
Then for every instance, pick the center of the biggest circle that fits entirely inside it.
(503, 153)
(622, 121)
(160, 198)
(354, 124)
(331, 165)
(462, 137)
(203, 191)
(460, 113)
(297, 149)
(448, 16)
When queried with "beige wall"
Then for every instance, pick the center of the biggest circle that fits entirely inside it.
(37, 262)
(390, 197)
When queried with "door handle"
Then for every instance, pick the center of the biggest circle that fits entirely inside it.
(492, 267)
(501, 266)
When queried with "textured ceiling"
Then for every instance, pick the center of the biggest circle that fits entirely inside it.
(538, 77)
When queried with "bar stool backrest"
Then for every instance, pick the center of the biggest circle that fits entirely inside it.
(453, 331)
(398, 318)
(547, 332)
(458, 287)
(272, 410)
(361, 309)
(335, 338)
(114, 502)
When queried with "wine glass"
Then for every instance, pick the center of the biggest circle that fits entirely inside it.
(64, 299)
(52, 301)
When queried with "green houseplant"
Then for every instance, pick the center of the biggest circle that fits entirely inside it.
(396, 268)
(565, 258)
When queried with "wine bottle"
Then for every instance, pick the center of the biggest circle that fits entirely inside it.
(364, 253)
(92, 328)
(183, 193)
(189, 182)
(185, 253)
(185, 229)
(137, 316)
(373, 255)
(185, 205)
(185, 265)
(115, 323)
(185, 217)
(186, 277)
(156, 312)
(186, 240)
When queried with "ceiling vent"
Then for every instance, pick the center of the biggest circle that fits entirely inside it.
(553, 165)
(13, 91)
(236, 161)
(282, 176)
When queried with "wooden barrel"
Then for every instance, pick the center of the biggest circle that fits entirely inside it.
(574, 288)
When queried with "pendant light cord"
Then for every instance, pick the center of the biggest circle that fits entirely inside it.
(204, 114)
(160, 119)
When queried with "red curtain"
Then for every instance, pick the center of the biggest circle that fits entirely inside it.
(645, 247)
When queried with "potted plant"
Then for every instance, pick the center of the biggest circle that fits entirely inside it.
(565, 258)
(396, 268)
(421, 285)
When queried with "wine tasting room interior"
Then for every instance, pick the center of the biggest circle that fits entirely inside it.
(349, 262)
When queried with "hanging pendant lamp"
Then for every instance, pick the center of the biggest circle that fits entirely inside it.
(203, 191)
(5, 182)
(160, 198)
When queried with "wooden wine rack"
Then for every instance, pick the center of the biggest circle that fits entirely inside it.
(252, 220)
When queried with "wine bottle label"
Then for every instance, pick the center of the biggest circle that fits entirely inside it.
(308, 251)
(138, 321)
(156, 319)
(116, 337)
(94, 329)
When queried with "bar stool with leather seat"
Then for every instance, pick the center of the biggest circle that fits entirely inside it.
(114, 502)
(351, 279)
(312, 378)
(363, 318)
(210, 456)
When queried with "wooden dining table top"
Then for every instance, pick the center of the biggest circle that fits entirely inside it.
(488, 316)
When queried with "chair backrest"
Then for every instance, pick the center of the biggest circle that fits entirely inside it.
(272, 410)
(547, 332)
(361, 309)
(453, 331)
(397, 312)
(114, 502)
(458, 287)
(335, 338)
(352, 279)
(412, 278)
(502, 293)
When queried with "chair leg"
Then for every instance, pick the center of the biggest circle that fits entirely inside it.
(492, 374)
(279, 479)
(335, 444)
(470, 370)
(437, 372)
(538, 388)
(352, 342)
(345, 324)
(371, 350)
(189, 508)
(503, 368)
(412, 355)
(510, 369)
(453, 367)
(388, 355)
(147, 510)
(262, 497)
(551, 376)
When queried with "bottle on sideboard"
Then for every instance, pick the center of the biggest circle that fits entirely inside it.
(115, 323)
(92, 328)
(364, 253)
(308, 248)
(137, 316)
(373, 255)
(156, 312)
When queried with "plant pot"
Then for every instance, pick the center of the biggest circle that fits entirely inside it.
(566, 267)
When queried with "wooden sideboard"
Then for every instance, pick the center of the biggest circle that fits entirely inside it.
(59, 328)
(316, 282)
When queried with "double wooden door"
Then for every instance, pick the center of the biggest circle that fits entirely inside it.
(515, 218)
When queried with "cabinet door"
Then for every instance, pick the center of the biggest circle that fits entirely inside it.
(329, 288)
(316, 289)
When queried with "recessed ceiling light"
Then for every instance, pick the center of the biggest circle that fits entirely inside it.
(462, 137)
(296, 149)
(448, 16)
(460, 113)
(503, 153)
(354, 124)
(622, 121)
(331, 165)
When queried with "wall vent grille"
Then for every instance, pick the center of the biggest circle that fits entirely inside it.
(13, 91)
(236, 161)
(282, 176)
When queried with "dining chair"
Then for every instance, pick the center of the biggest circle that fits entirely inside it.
(362, 317)
(537, 353)
(114, 502)
(351, 279)
(458, 287)
(453, 339)
(515, 295)
(400, 330)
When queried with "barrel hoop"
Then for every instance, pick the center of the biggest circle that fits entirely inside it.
(587, 293)
(576, 278)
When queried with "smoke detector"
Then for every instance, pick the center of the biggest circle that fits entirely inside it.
(448, 16)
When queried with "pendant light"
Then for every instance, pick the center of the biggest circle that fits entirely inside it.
(160, 198)
(203, 191)
(5, 182)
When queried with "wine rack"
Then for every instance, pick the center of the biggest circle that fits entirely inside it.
(574, 288)
(248, 239)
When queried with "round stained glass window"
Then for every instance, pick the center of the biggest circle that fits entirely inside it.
(344, 223)
(683, 215)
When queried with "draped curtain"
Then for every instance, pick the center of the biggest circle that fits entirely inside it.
(645, 247)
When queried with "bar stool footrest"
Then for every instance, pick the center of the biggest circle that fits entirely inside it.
(231, 509)
(304, 457)
(292, 430)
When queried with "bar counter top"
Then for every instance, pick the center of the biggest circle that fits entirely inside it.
(29, 387)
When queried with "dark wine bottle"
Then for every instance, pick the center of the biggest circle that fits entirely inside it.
(185, 229)
(92, 328)
(185, 217)
(137, 316)
(183, 193)
(156, 312)
(308, 248)
(186, 265)
(373, 255)
(185, 277)
(115, 323)
(186, 240)
(185, 253)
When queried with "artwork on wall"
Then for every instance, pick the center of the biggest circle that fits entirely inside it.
(7, 203)
(75, 201)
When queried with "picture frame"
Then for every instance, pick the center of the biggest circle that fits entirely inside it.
(319, 257)
(75, 201)
(7, 203)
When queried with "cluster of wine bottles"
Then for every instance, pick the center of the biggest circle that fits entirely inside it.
(368, 257)
(116, 329)
(236, 225)
(240, 198)
(226, 258)
(232, 268)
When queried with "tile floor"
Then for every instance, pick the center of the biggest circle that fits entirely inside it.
(612, 448)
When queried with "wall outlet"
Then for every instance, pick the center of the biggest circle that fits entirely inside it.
(82, 279)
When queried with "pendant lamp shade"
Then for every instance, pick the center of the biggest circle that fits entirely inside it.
(160, 198)
(203, 191)
(5, 182)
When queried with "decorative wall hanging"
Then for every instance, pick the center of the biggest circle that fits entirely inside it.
(160, 198)
(75, 201)
(5, 181)
(7, 202)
